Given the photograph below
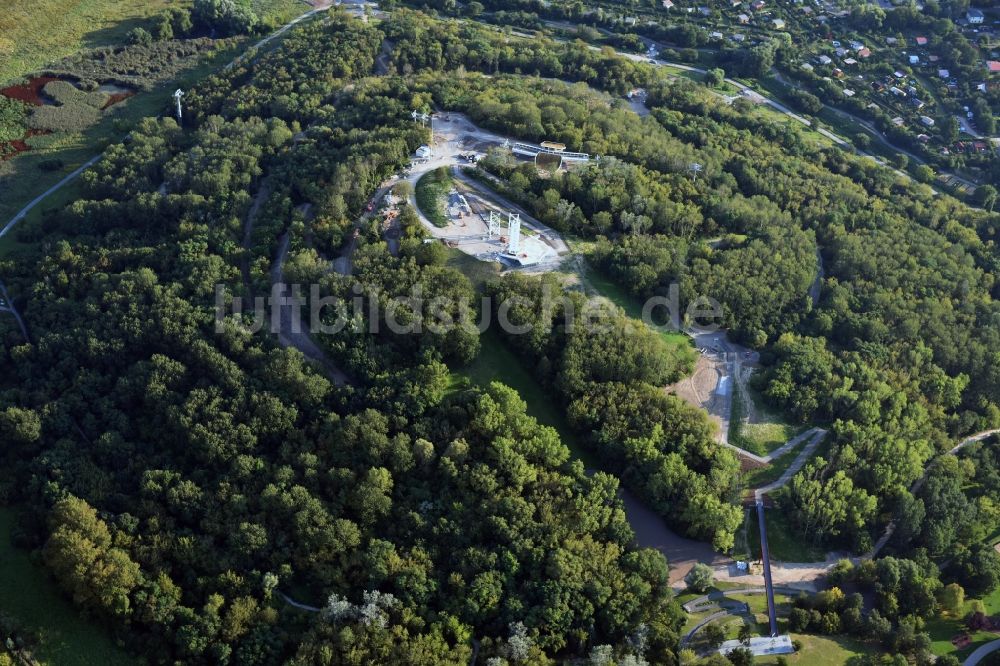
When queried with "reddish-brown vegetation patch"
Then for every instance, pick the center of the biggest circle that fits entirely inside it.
(30, 92)
(11, 149)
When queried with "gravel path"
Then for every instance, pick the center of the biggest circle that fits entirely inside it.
(816, 436)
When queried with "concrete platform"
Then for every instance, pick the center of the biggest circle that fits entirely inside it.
(761, 646)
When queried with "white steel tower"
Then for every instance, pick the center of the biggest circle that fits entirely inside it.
(514, 234)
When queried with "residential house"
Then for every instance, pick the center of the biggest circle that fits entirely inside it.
(743, 19)
(927, 120)
(865, 52)
(974, 16)
(825, 60)
(914, 60)
(758, 5)
(850, 61)
(993, 66)
(779, 24)
(668, 4)
(944, 73)
(921, 41)
(848, 92)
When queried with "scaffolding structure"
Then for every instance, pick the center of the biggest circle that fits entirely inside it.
(494, 228)
(513, 234)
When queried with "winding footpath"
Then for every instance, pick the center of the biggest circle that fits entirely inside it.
(919, 483)
(981, 652)
(815, 436)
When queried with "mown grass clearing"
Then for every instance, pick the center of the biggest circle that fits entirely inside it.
(432, 195)
(33, 599)
(822, 651)
(784, 540)
(678, 342)
(762, 437)
(497, 363)
(943, 629)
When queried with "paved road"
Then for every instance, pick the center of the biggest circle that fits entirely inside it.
(816, 436)
(980, 653)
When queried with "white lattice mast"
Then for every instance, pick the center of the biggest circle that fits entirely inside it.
(178, 95)
(513, 233)
(494, 229)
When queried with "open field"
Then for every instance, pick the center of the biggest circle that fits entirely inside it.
(34, 600)
(36, 32)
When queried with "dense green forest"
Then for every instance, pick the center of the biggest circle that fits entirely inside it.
(183, 479)
(898, 353)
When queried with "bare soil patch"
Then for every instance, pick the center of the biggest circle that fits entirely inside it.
(700, 389)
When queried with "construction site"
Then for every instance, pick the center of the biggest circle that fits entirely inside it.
(477, 220)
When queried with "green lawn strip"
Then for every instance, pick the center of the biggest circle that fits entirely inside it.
(943, 629)
(785, 541)
(432, 195)
(677, 341)
(496, 362)
(33, 599)
(762, 476)
(822, 651)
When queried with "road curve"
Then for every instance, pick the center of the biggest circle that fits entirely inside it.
(981, 652)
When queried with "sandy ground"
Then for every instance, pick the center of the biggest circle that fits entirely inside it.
(701, 390)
